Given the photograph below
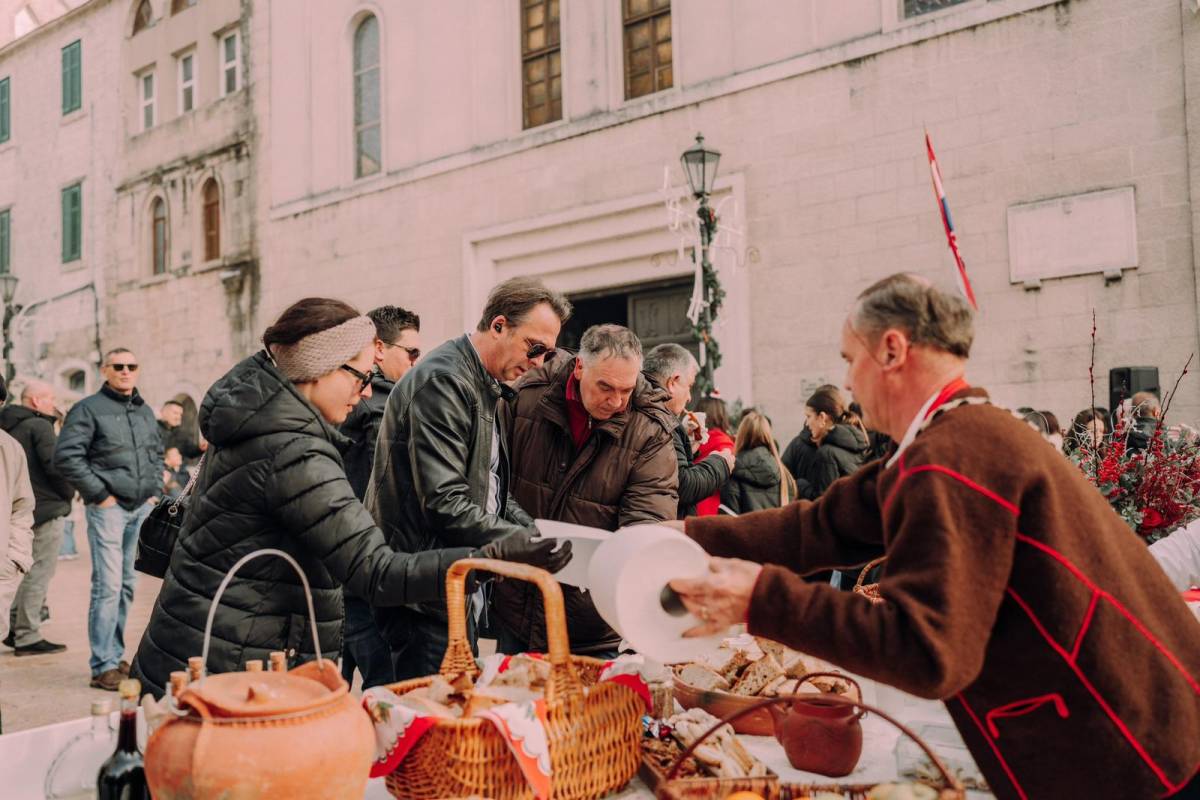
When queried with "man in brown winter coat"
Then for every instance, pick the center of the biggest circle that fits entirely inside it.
(1012, 591)
(591, 444)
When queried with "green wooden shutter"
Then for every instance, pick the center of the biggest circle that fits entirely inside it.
(5, 240)
(72, 223)
(5, 105)
(72, 77)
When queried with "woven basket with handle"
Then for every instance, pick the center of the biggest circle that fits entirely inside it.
(870, 590)
(594, 737)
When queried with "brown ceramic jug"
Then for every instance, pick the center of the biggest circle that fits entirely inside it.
(820, 736)
(278, 734)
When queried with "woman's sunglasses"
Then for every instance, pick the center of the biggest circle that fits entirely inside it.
(363, 377)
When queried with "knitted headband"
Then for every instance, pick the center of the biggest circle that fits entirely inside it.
(322, 352)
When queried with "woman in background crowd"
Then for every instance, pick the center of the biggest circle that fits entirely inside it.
(759, 479)
(716, 420)
(1088, 429)
(840, 440)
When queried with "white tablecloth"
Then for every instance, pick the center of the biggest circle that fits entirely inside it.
(26, 755)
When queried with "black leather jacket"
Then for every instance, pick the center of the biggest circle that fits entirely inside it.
(430, 484)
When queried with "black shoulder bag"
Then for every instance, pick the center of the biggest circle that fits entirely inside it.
(160, 529)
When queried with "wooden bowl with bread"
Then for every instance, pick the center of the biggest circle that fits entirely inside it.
(744, 670)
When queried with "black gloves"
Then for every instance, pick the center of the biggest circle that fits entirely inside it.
(521, 548)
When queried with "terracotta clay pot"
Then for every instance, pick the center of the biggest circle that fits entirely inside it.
(297, 734)
(820, 736)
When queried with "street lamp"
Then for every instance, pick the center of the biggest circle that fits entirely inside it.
(8, 289)
(700, 166)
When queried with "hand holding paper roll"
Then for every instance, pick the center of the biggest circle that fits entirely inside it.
(721, 598)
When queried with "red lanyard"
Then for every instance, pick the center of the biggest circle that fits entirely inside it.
(954, 387)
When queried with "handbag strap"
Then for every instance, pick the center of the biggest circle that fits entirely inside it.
(191, 482)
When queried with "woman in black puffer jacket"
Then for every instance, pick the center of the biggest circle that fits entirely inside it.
(273, 477)
(759, 479)
(840, 440)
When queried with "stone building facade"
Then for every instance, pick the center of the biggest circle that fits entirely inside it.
(417, 153)
(60, 152)
(161, 149)
(1035, 108)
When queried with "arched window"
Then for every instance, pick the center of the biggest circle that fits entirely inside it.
(368, 147)
(76, 381)
(143, 17)
(158, 215)
(212, 220)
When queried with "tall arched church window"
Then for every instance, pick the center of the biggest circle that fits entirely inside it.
(368, 142)
(212, 220)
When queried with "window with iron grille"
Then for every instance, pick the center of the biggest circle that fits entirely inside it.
(541, 62)
(647, 46)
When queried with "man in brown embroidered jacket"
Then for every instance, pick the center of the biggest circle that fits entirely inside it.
(1012, 591)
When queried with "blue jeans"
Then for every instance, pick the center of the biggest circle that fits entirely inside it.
(363, 647)
(112, 535)
(68, 542)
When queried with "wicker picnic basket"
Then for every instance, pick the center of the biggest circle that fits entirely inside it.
(674, 789)
(594, 737)
(870, 590)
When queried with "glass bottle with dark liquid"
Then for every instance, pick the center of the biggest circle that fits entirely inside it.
(123, 776)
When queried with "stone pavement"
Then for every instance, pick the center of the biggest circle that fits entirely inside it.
(40, 690)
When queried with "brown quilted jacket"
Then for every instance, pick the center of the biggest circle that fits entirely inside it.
(623, 475)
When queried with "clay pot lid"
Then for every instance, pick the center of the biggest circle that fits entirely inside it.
(259, 694)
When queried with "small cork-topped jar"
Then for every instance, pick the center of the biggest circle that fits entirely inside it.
(195, 668)
(278, 661)
(179, 682)
(254, 665)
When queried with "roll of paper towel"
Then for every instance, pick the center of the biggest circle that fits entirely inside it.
(627, 575)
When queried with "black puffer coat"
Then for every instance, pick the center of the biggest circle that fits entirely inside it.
(51, 491)
(273, 478)
(842, 451)
(754, 484)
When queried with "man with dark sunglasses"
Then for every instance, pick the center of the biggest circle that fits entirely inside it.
(111, 452)
(397, 348)
(441, 472)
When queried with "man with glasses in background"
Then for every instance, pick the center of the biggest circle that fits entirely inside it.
(110, 451)
(397, 348)
(441, 473)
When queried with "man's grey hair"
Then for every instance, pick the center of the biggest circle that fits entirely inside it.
(926, 314)
(609, 341)
(667, 360)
